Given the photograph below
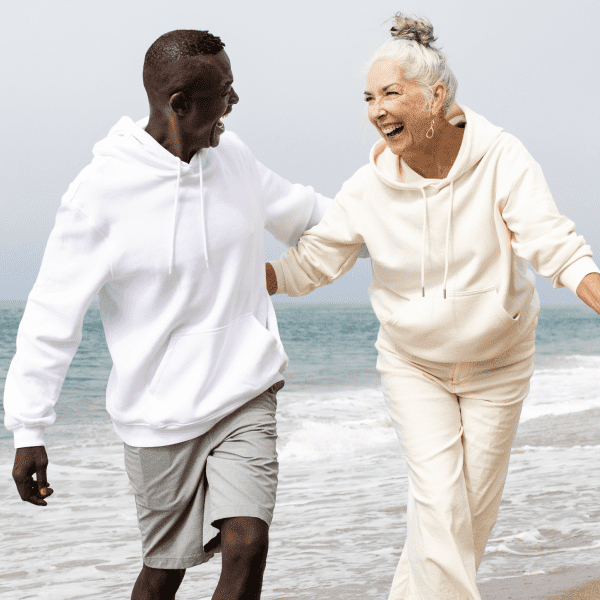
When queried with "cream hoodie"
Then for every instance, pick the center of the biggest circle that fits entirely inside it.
(175, 253)
(450, 281)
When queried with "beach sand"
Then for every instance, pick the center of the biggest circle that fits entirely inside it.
(576, 583)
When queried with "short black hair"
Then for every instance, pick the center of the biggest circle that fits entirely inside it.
(176, 45)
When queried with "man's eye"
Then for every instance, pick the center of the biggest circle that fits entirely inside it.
(226, 93)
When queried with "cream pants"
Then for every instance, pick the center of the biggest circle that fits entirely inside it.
(456, 423)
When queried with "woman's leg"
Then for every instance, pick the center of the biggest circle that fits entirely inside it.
(438, 561)
(490, 399)
(489, 431)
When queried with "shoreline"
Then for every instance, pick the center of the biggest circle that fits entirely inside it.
(580, 582)
(572, 583)
(566, 431)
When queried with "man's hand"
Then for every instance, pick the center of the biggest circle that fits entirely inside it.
(271, 279)
(27, 462)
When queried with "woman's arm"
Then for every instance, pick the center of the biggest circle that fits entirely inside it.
(324, 253)
(540, 234)
(588, 290)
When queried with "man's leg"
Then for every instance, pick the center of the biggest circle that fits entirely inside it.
(157, 584)
(244, 544)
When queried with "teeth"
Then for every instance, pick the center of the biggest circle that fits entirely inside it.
(388, 130)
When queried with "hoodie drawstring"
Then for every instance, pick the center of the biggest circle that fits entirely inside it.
(448, 236)
(425, 234)
(202, 211)
(424, 237)
(175, 213)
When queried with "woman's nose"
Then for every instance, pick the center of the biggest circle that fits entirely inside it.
(376, 110)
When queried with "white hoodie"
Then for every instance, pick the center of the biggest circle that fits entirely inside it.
(449, 256)
(175, 253)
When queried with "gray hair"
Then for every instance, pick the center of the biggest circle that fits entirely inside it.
(411, 48)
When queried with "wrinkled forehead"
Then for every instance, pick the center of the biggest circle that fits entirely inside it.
(383, 73)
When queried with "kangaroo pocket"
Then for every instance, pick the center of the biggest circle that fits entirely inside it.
(203, 373)
(464, 327)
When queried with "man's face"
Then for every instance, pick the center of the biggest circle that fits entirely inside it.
(210, 98)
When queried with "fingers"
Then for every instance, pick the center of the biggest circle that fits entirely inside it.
(30, 492)
(27, 462)
(40, 473)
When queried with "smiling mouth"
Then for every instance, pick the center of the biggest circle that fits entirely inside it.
(392, 130)
(220, 124)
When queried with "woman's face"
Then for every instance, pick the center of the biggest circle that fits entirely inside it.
(397, 108)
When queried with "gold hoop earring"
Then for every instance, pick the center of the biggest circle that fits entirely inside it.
(430, 130)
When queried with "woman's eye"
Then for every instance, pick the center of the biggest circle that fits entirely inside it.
(390, 92)
(368, 98)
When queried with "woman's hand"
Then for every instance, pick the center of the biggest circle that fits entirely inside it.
(271, 279)
(588, 290)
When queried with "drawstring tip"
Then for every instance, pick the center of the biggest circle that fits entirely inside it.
(444, 294)
(423, 292)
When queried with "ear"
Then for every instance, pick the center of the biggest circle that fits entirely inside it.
(438, 98)
(179, 104)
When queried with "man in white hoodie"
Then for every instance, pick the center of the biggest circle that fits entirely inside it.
(166, 227)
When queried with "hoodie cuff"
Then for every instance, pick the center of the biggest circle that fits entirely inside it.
(571, 276)
(28, 436)
(281, 288)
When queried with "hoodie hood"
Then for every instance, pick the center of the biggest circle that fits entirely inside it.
(128, 142)
(479, 137)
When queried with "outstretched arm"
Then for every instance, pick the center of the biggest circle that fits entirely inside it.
(589, 290)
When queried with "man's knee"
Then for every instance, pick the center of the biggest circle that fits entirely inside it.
(161, 578)
(245, 539)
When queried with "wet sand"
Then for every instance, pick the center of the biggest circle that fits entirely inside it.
(576, 583)
(572, 583)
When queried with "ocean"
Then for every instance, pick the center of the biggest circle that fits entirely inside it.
(340, 519)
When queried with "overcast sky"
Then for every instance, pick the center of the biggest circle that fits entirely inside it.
(70, 70)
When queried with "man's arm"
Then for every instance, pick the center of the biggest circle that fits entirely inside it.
(289, 209)
(74, 268)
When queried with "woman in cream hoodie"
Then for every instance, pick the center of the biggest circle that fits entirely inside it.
(451, 210)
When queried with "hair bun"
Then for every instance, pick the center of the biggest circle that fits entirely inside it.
(417, 30)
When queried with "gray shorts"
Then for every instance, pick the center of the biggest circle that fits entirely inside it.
(182, 491)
